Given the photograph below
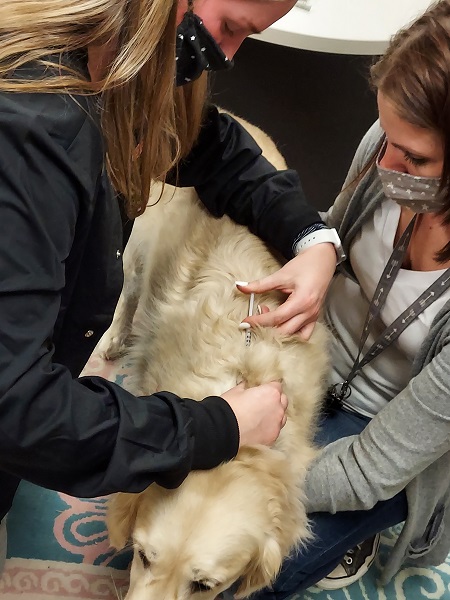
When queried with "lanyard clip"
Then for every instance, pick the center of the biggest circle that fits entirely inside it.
(335, 395)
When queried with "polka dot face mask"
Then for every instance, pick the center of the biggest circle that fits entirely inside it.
(420, 194)
(197, 50)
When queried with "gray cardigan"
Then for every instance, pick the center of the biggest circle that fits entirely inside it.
(407, 445)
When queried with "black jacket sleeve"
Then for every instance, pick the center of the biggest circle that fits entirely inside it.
(87, 436)
(232, 177)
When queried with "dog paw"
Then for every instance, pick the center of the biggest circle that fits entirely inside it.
(117, 348)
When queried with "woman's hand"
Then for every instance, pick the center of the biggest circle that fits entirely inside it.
(260, 412)
(305, 279)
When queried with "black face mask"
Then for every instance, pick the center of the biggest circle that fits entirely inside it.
(197, 50)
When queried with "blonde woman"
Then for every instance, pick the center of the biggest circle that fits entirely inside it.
(98, 98)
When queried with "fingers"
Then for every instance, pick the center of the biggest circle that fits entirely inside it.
(289, 318)
(284, 403)
(306, 331)
(298, 325)
(286, 322)
(260, 412)
(276, 385)
(294, 325)
(271, 282)
(276, 317)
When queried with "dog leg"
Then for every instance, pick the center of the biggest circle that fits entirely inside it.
(118, 337)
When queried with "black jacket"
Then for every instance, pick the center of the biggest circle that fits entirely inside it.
(60, 278)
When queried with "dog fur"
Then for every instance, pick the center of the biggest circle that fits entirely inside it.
(178, 320)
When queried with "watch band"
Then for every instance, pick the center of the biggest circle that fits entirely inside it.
(321, 236)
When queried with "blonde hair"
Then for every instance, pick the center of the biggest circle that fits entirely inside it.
(143, 113)
(414, 74)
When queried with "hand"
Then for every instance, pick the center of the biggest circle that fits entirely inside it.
(260, 412)
(305, 279)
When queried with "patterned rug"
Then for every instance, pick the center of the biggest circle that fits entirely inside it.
(58, 550)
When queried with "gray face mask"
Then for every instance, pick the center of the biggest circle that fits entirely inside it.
(420, 194)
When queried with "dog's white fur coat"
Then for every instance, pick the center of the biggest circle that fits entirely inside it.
(240, 520)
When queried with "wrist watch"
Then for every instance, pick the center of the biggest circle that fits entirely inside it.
(321, 236)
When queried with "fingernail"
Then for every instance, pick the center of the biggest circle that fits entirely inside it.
(241, 283)
(259, 309)
(244, 325)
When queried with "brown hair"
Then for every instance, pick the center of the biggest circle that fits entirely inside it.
(414, 74)
(143, 114)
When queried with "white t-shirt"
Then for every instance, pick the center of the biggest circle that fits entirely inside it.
(346, 310)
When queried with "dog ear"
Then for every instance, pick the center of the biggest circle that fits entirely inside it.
(120, 518)
(287, 522)
(262, 570)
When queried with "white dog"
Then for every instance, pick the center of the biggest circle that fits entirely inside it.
(238, 521)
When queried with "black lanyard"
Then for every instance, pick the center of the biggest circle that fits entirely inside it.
(338, 392)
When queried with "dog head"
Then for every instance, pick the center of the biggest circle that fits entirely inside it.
(234, 523)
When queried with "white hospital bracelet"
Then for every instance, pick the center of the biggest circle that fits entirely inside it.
(320, 237)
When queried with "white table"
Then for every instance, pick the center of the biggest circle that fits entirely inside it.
(344, 26)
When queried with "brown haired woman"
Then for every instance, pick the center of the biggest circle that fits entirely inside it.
(90, 110)
(386, 455)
